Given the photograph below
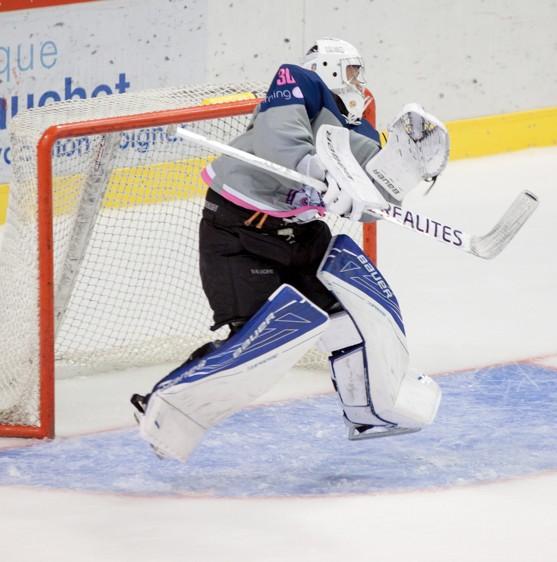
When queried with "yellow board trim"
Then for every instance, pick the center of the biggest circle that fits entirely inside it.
(145, 189)
(494, 134)
(4, 190)
(470, 138)
(240, 96)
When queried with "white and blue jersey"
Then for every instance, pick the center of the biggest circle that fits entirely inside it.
(283, 130)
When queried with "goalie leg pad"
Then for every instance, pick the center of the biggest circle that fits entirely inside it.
(373, 379)
(202, 392)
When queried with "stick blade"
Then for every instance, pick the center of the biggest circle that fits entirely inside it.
(492, 244)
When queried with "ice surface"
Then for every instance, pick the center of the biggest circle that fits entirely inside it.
(282, 482)
(493, 424)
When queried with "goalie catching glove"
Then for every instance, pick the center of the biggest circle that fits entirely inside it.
(417, 149)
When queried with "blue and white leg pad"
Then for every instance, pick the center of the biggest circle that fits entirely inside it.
(202, 392)
(369, 357)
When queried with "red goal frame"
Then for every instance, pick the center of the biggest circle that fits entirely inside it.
(46, 426)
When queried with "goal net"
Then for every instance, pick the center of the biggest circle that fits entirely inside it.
(98, 265)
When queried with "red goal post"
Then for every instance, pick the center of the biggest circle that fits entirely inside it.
(36, 417)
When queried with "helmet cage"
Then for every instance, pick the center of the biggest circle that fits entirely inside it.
(342, 69)
(353, 71)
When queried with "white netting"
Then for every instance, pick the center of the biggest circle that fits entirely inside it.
(126, 213)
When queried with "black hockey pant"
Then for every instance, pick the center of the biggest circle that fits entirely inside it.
(241, 265)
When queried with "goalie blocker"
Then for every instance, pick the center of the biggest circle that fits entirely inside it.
(368, 359)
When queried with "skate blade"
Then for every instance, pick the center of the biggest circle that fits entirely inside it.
(377, 432)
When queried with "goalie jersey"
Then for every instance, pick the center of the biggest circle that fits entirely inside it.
(282, 130)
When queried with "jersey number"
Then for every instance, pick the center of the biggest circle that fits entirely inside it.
(284, 77)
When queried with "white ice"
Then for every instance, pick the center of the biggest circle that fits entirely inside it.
(460, 312)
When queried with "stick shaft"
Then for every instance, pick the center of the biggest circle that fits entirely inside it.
(256, 161)
(486, 246)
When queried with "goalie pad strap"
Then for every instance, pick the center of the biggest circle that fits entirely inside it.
(349, 375)
(341, 333)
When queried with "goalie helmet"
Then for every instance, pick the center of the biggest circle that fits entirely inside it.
(341, 67)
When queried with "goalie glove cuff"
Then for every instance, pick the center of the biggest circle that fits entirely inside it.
(307, 198)
(311, 165)
(336, 201)
(308, 201)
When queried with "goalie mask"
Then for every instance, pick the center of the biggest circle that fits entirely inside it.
(341, 67)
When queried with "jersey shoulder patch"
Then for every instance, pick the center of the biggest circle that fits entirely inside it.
(293, 85)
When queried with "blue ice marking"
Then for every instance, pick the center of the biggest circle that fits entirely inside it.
(492, 424)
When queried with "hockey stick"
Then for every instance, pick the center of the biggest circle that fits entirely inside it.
(256, 161)
(485, 246)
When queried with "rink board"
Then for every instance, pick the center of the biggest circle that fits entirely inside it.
(493, 424)
(470, 138)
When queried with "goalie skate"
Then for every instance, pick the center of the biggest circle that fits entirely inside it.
(359, 432)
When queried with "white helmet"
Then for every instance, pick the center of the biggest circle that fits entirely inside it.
(340, 66)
